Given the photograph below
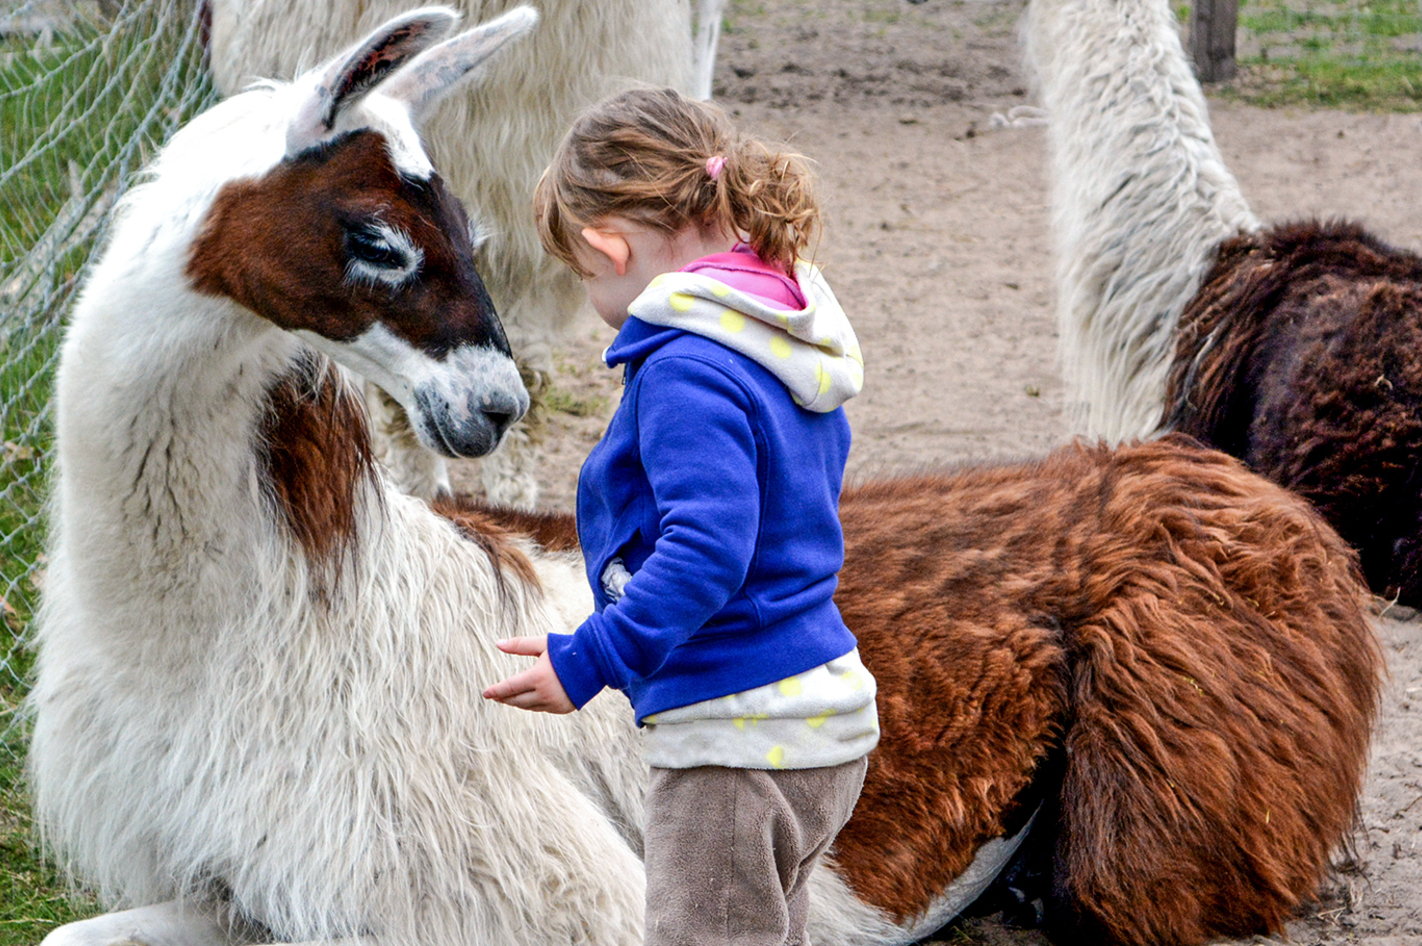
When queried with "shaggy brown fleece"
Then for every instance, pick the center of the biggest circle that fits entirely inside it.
(1190, 636)
(313, 448)
(1300, 355)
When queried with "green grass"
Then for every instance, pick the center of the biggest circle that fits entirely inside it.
(1329, 82)
(1353, 56)
(77, 118)
(562, 401)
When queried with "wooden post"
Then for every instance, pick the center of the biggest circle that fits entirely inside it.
(1212, 30)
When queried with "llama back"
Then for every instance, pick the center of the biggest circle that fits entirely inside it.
(1191, 636)
(1298, 356)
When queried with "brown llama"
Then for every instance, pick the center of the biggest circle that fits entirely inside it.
(1299, 355)
(1152, 644)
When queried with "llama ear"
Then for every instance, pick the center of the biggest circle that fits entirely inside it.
(422, 82)
(345, 79)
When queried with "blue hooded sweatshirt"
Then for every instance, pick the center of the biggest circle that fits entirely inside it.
(720, 497)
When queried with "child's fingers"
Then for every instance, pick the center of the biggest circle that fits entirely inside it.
(510, 687)
(536, 688)
(524, 646)
(529, 700)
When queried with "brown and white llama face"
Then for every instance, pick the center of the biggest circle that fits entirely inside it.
(375, 267)
(353, 242)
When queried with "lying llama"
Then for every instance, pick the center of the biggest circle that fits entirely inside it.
(257, 713)
(492, 142)
(1292, 348)
(1299, 355)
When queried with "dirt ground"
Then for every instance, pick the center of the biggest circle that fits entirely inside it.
(938, 246)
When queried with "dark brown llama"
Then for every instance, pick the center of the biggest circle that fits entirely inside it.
(1302, 355)
(1299, 353)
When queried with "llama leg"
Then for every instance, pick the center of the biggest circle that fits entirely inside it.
(164, 924)
(708, 36)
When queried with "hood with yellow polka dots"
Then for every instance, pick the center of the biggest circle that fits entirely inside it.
(812, 351)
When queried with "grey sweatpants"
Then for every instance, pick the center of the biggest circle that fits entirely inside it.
(729, 852)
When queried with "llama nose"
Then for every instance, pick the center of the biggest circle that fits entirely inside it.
(501, 421)
(506, 402)
(500, 409)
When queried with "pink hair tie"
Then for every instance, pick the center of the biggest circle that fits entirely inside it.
(714, 164)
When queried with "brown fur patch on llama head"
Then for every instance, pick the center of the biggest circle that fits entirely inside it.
(335, 240)
(316, 456)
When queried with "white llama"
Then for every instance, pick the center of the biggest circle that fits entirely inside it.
(491, 142)
(208, 533)
(1140, 196)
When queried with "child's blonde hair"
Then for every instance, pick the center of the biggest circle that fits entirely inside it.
(657, 159)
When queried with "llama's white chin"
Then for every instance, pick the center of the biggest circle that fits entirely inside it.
(472, 429)
(464, 409)
(459, 405)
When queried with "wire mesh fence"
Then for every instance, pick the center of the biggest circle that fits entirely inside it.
(88, 90)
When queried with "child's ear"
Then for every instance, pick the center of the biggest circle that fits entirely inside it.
(611, 244)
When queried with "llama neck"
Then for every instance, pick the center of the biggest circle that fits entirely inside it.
(1141, 198)
(185, 426)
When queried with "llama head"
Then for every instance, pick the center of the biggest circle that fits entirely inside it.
(352, 241)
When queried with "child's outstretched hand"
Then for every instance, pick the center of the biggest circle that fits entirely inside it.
(536, 688)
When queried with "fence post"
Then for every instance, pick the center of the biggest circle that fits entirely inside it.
(1212, 29)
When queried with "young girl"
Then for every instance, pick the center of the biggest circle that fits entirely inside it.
(708, 513)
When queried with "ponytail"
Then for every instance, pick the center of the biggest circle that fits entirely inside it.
(769, 198)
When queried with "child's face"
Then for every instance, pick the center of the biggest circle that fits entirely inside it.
(624, 257)
(609, 291)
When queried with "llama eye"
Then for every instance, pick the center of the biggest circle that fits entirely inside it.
(371, 248)
(378, 253)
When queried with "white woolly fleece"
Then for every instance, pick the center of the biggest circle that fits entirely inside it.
(1141, 198)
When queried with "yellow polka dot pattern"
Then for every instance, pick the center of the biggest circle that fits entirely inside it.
(733, 321)
(813, 351)
(823, 716)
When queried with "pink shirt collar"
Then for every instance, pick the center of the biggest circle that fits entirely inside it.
(743, 270)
